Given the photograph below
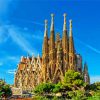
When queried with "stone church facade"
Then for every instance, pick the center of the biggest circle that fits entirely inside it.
(58, 56)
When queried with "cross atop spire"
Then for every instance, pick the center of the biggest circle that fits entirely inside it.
(64, 26)
(46, 26)
(52, 22)
(70, 21)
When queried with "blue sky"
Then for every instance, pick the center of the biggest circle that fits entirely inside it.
(22, 29)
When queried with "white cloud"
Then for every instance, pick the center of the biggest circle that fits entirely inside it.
(11, 71)
(93, 49)
(88, 46)
(16, 35)
(29, 21)
(9, 58)
(95, 79)
(3, 34)
(12, 57)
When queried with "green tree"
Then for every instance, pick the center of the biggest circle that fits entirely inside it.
(72, 87)
(73, 80)
(57, 87)
(5, 90)
(95, 90)
(44, 88)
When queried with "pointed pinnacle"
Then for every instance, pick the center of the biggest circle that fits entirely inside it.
(46, 26)
(64, 26)
(52, 22)
(70, 21)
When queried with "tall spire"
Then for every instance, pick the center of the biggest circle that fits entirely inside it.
(65, 42)
(45, 42)
(71, 49)
(46, 26)
(52, 48)
(71, 41)
(70, 33)
(64, 26)
(52, 36)
(45, 52)
(85, 67)
(86, 74)
(52, 22)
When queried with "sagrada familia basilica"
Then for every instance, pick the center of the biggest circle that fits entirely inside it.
(58, 56)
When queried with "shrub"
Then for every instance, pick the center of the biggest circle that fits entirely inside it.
(57, 87)
(44, 88)
(5, 90)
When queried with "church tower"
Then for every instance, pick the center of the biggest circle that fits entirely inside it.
(45, 53)
(86, 74)
(71, 49)
(52, 48)
(65, 45)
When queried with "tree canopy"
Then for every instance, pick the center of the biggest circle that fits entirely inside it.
(72, 87)
(5, 90)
